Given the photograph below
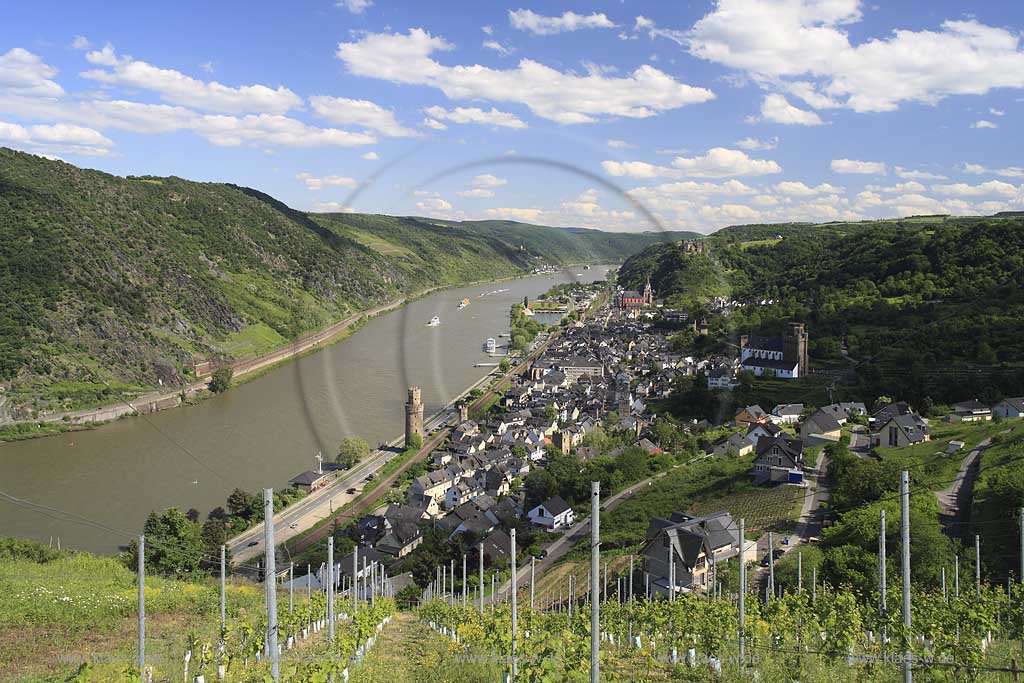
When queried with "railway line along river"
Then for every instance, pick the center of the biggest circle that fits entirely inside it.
(262, 432)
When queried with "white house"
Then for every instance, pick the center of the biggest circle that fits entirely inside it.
(554, 513)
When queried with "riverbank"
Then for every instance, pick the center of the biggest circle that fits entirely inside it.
(243, 370)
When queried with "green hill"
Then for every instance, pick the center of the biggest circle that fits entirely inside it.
(928, 307)
(110, 286)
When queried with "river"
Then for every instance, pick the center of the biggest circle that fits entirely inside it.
(262, 432)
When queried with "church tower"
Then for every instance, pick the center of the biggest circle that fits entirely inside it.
(794, 348)
(648, 293)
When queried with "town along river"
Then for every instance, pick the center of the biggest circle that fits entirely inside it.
(262, 432)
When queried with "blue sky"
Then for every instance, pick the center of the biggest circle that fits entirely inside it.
(704, 113)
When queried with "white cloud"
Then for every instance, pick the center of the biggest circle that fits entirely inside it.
(854, 166)
(907, 174)
(24, 74)
(476, 193)
(434, 123)
(488, 29)
(371, 156)
(332, 207)
(755, 145)
(984, 124)
(488, 180)
(564, 97)
(475, 115)
(207, 66)
(81, 43)
(348, 112)
(782, 42)
(776, 108)
(58, 138)
(991, 188)
(1006, 172)
(719, 162)
(910, 186)
(355, 6)
(798, 189)
(619, 144)
(314, 183)
(498, 47)
(174, 86)
(274, 130)
(996, 112)
(434, 206)
(527, 215)
(540, 25)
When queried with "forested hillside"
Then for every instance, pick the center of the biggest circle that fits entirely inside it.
(927, 308)
(110, 286)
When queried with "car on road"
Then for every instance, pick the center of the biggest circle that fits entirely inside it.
(252, 543)
(543, 553)
(350, 491)
(293, 525)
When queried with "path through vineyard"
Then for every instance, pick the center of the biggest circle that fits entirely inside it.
(410, 652)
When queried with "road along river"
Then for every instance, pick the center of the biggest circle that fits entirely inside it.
(260, 433)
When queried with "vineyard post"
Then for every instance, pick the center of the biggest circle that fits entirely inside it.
(977, 564)
(814, 585)
(142, 608)
(270, 582)
(630, 589)
(493, 575)
(223, 552)
(881, 573)
(452, 573)
(799, 573)
(605, 592)
(481, 553)
(771, 565)
(330, 588)
(743, 588)
(956, 576)
(515, 601)
(355, 573)
(1020, 576)
(944, 596)
(905, 528)
(465, 588)
(363, 579)
(444, 580)
(309, 594)
(671, 572)
(714, 575)
(533, 574)
(595, 569)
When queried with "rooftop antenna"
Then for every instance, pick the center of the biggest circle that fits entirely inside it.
(319, 462)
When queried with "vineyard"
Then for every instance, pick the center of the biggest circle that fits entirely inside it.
(821, 635)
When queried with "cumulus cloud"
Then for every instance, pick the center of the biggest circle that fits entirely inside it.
(81, 43)
(371, 156)
(24, 74)
(348, 112)
(798, 189)
(995, 188)
(540, 25)
(984, 124)
(476, 193)
(910, 186)
(719, 162)
(526, 215)
(1006, 172)
(355, 6)
(777, 109)
(488, 180)
(475, 115)
(498, 47)
(60, 138)
(434, 123)
(780, 43)
(174, 86)
(855, 166)
(314, 183)
(434, 206)
(755, 145)
(619, 144)
(564, 97)
(908, 174)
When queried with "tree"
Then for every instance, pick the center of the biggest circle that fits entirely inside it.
(351, 451)
(174, 544)
(240, 503)
(220, 381)
(539, 486)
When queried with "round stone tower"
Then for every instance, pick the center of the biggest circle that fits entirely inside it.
(413, 415)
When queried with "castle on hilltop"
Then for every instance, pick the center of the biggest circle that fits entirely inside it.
(692, 247)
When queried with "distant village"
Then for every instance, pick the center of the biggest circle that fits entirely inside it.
(603, 372)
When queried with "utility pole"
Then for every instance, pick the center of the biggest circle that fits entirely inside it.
(465, 588)
(355, 573)
(515, 602)
(908, 676)
(142, 608)
(743, 591)
(481, 579)
(771, 564)
(223, 605)
(291, 587)
(330, 588)
(270, 583)
(595, 570)
(881, 571)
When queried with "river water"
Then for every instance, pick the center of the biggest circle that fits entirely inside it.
(262, 432)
